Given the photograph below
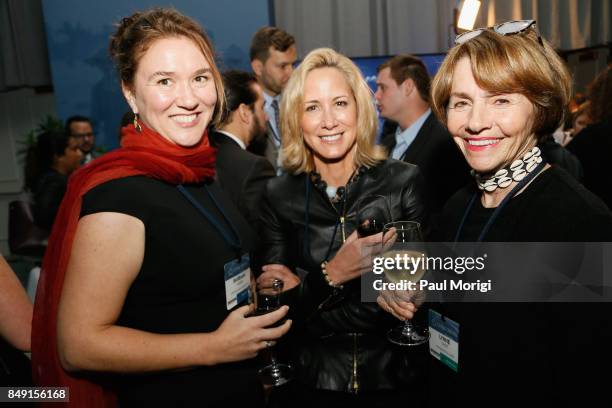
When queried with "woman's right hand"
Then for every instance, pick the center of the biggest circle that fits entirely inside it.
(241, 337)
(354, 258)
(278, 271)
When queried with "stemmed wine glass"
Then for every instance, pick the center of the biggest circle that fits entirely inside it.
(268, 300)
(373, 213)
(406, 242)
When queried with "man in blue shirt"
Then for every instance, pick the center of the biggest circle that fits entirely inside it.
(273, 53)
(402, 96)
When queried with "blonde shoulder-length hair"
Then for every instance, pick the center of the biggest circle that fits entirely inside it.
(296, 155)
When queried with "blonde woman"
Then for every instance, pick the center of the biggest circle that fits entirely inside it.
(328, 123)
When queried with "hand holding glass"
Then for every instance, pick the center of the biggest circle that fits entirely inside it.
(268, 300)
(406, 243)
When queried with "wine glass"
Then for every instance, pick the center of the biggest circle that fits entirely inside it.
(373, 213)
(406, 242)
(268, 300)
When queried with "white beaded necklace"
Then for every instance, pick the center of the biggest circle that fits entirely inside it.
(516, 171)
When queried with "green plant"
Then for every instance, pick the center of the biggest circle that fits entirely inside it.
(48, 124)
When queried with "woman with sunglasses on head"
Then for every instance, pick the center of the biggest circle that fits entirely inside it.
(143, 281)
(500, 91)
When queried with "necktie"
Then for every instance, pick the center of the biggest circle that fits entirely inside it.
(276, 118)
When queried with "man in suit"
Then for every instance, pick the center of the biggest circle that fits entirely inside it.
(242, 174)
(403, 97)
(273, 53)
(80, 127)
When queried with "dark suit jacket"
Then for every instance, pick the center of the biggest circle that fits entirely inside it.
(243, 175)
(443, 166)
(593, 147)
(264, 146)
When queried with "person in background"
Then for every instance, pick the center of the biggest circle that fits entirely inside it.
(132, 300)
(309, 227)
(49, 163)
(499, 91)
(81, 128)
(594, 143)
(580, 120)
(241, 173)
(402, 96)
(273, 53)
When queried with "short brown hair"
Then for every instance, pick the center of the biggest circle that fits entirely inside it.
(267, 37)
(297, 157)
(407, 66)
(136, 33)
(511, 64)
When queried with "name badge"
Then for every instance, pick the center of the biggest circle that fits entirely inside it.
(237, 281)
(444, 339)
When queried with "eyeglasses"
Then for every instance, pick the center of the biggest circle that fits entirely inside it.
(82, 135)
(507, 28)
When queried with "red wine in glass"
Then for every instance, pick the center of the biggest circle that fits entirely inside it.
(372, 214)
(370, 226)
(268, 300)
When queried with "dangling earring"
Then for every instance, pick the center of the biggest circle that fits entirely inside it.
(136, 124)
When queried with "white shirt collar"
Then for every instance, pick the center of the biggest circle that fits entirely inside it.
(268, 98)
(404, 138)
(234, 138)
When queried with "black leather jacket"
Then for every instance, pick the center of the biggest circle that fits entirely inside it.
(337, 342)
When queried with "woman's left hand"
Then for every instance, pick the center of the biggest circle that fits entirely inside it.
(278, 271)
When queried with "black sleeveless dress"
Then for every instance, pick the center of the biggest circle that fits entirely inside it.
(179, 289)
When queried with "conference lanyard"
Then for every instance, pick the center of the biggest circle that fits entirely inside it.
(233, 241)
(500, 207)
(306, 247)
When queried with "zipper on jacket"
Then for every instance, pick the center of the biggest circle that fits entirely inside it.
(353, 387)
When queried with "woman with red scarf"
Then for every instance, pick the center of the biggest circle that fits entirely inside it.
(147, 265)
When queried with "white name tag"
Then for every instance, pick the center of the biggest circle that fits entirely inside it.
(444, 339)
(237, 281)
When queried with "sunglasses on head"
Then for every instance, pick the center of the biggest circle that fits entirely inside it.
(507, 28)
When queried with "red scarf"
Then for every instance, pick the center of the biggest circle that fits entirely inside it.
(143, 153)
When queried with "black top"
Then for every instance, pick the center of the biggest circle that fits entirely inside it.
(593, 146)
(242, 175)
(180, 287)
(554, 208)
(558, 155)
(48, 196)
(528, 353)
(335, 333)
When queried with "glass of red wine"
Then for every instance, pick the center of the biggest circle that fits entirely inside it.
(268, 300)
(373, 212)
